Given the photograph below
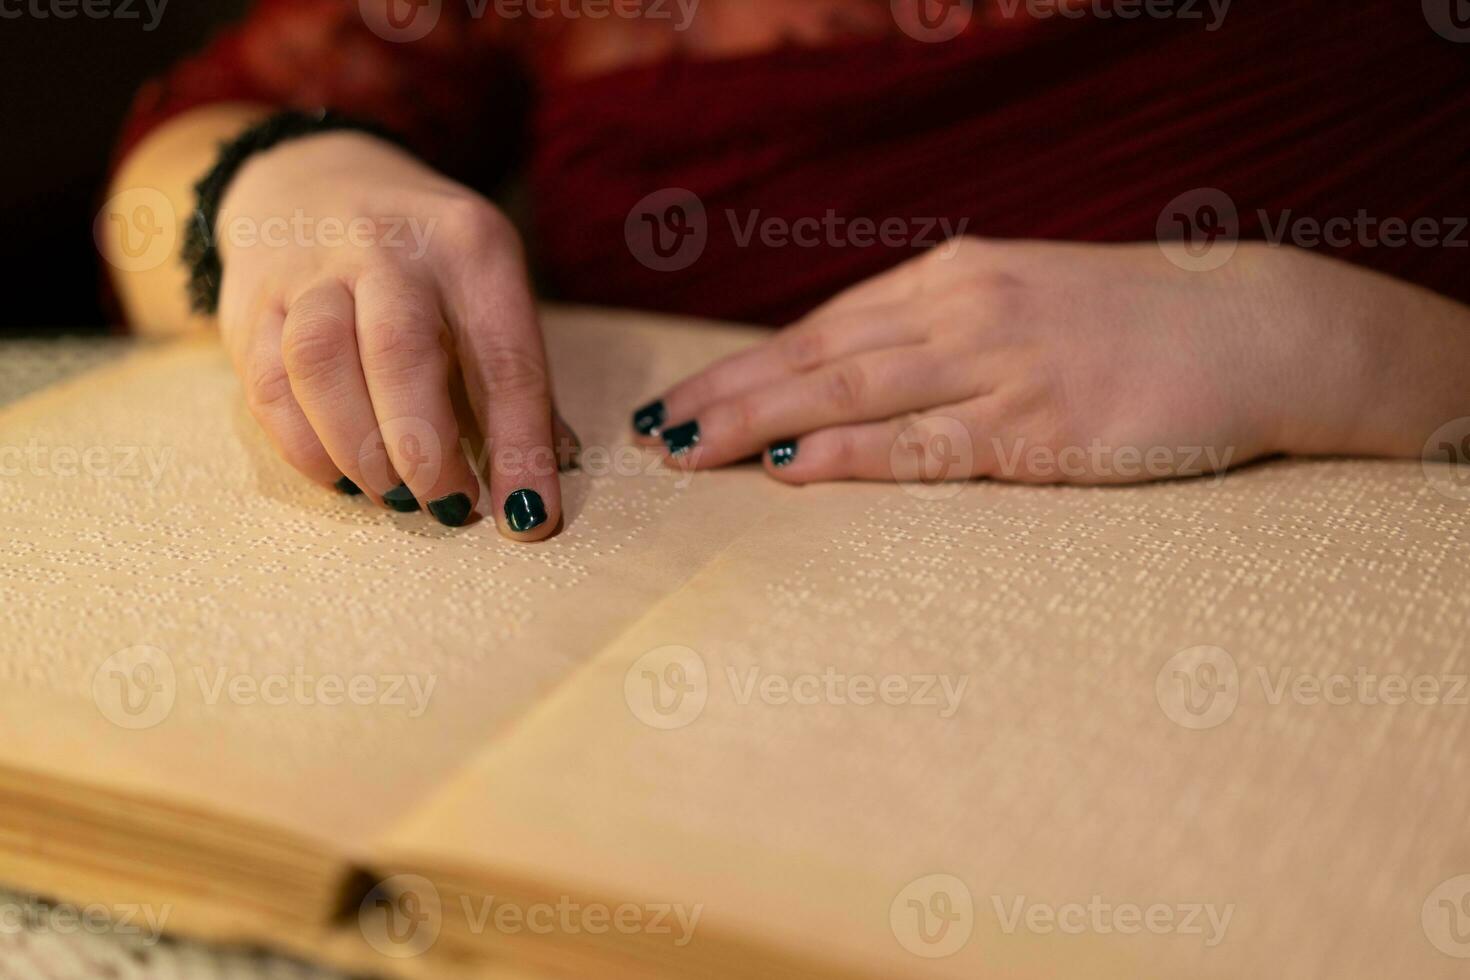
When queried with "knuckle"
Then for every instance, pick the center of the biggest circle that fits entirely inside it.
(843, 451)
(742, 417)
(301, 449)
(267, 387)
(313, 343)
(476, 225)
(846, 386)
(514, 373)
(400, 342)
(806, 349)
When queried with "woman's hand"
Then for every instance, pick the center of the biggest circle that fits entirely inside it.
(363, 295)
(1053, 363)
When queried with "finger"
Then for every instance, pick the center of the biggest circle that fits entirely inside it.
(893, 287)
(270, 400)
(929, 449)
(867, 387)
(798, 349)
(406, 362)
(319, 350)
(504, 365)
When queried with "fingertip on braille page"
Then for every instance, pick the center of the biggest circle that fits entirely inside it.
(401, 499)
(783, 453)
(649, 419)
(452, 510)
(681, 438)
(524, 511)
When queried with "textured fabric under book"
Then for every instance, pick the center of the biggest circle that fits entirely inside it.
(1209, 728)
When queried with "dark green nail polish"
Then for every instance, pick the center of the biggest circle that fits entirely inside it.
(349, 488)
(650, 418)
(681, 438)
(524, 511)
(451, 511)
(401, 499)
(783, 453)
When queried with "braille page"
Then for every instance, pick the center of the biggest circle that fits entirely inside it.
(1021, 732)
(185, 621)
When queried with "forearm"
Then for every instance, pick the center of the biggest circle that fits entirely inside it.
(169, 161)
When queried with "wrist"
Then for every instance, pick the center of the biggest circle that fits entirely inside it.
(202, 245)
(1380, 363)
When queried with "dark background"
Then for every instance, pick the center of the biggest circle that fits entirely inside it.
(67, 85)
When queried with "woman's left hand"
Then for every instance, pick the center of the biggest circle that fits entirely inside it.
(1040, 363)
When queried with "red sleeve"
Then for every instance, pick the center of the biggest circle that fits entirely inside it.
(457, 94)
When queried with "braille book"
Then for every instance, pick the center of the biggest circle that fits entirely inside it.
(724, 727)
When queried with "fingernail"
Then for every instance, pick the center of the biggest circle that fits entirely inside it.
(783, 453)
(349, 488)
(650, 418)
(681, 438)
(524, 511)
(451, 511)
(401, 499)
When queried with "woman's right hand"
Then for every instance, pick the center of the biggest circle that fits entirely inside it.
(360, 289)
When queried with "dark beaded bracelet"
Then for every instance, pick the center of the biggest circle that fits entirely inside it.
(200, 249)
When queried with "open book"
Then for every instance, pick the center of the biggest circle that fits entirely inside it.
(721, 727)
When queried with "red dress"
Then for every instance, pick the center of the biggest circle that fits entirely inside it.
(1306, 114)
